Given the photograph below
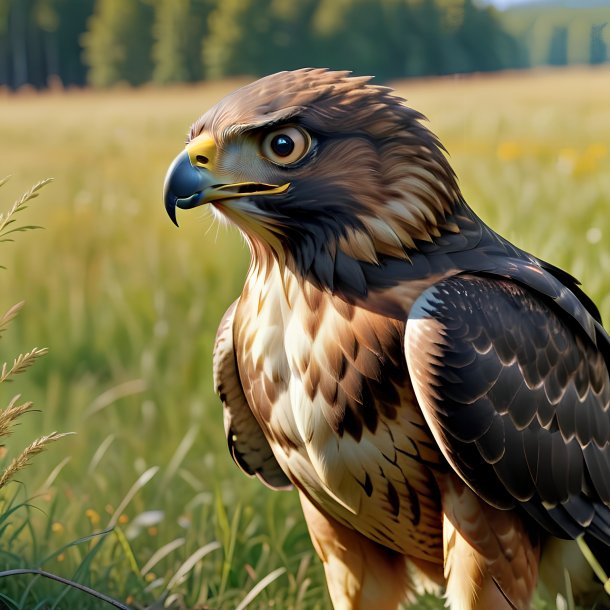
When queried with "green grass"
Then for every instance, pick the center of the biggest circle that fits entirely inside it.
(128, 306)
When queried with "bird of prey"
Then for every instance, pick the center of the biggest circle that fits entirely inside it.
(438, 397)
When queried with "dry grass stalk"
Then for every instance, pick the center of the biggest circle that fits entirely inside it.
(23, 459)
(5, 320)
(21, 363)
(6, 220)
(13, 411)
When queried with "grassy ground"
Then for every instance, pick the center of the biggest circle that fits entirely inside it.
(128, 306)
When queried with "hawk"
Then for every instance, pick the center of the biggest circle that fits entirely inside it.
(438, 397)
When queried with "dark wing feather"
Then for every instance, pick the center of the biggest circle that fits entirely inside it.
(518, 399)
(246, 440)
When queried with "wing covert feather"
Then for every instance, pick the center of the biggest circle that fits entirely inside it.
(247, 443)
(518, 398)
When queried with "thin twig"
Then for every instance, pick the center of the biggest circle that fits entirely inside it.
(69, 583)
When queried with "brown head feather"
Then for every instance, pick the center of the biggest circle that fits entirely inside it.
(375, 183)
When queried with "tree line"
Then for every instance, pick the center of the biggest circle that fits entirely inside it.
(103, 42)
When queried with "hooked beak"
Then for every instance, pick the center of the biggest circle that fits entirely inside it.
(190, 180)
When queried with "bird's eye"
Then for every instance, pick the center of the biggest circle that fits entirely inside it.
(286, 145)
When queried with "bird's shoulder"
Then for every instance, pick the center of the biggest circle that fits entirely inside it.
(512, 377)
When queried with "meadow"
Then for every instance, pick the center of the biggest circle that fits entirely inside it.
(143, 502)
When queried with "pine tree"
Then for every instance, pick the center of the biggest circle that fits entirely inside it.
(598, 50)
(558, 48)
(118, 42)
(258, 37)
(179, 30)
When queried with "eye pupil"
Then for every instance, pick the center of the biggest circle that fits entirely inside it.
(282, 145)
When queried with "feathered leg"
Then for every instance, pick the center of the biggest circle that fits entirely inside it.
(360, 573)
(490, 560)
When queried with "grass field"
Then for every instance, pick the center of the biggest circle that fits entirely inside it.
(128, 306)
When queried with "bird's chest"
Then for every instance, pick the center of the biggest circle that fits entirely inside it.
(328, 383)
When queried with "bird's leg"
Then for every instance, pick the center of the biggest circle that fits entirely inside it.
(490, 559)
(360, 573)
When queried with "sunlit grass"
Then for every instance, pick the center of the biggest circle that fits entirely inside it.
(144, 502)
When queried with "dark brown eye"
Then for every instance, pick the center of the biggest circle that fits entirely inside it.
(286, 145)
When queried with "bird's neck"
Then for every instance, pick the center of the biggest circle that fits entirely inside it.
(353, 267)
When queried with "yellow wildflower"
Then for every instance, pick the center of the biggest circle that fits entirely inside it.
(509, 151)
(93, 516)
(57, 527)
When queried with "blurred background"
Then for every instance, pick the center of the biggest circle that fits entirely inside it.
(144, 502)
(104, 42)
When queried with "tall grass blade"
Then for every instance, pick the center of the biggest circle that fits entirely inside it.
(129, 388)
(191, 562)
(99, 453)
(592, 561)
(260, 586)
(181, 451)
(48, 482)
(141, 481)
(160, 553)
(99, 535)
(127, 550)
(569, 600)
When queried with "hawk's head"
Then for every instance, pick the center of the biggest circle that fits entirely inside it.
(315, 162)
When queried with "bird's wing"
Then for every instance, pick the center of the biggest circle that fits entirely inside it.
(518, 399)
(247, 443)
